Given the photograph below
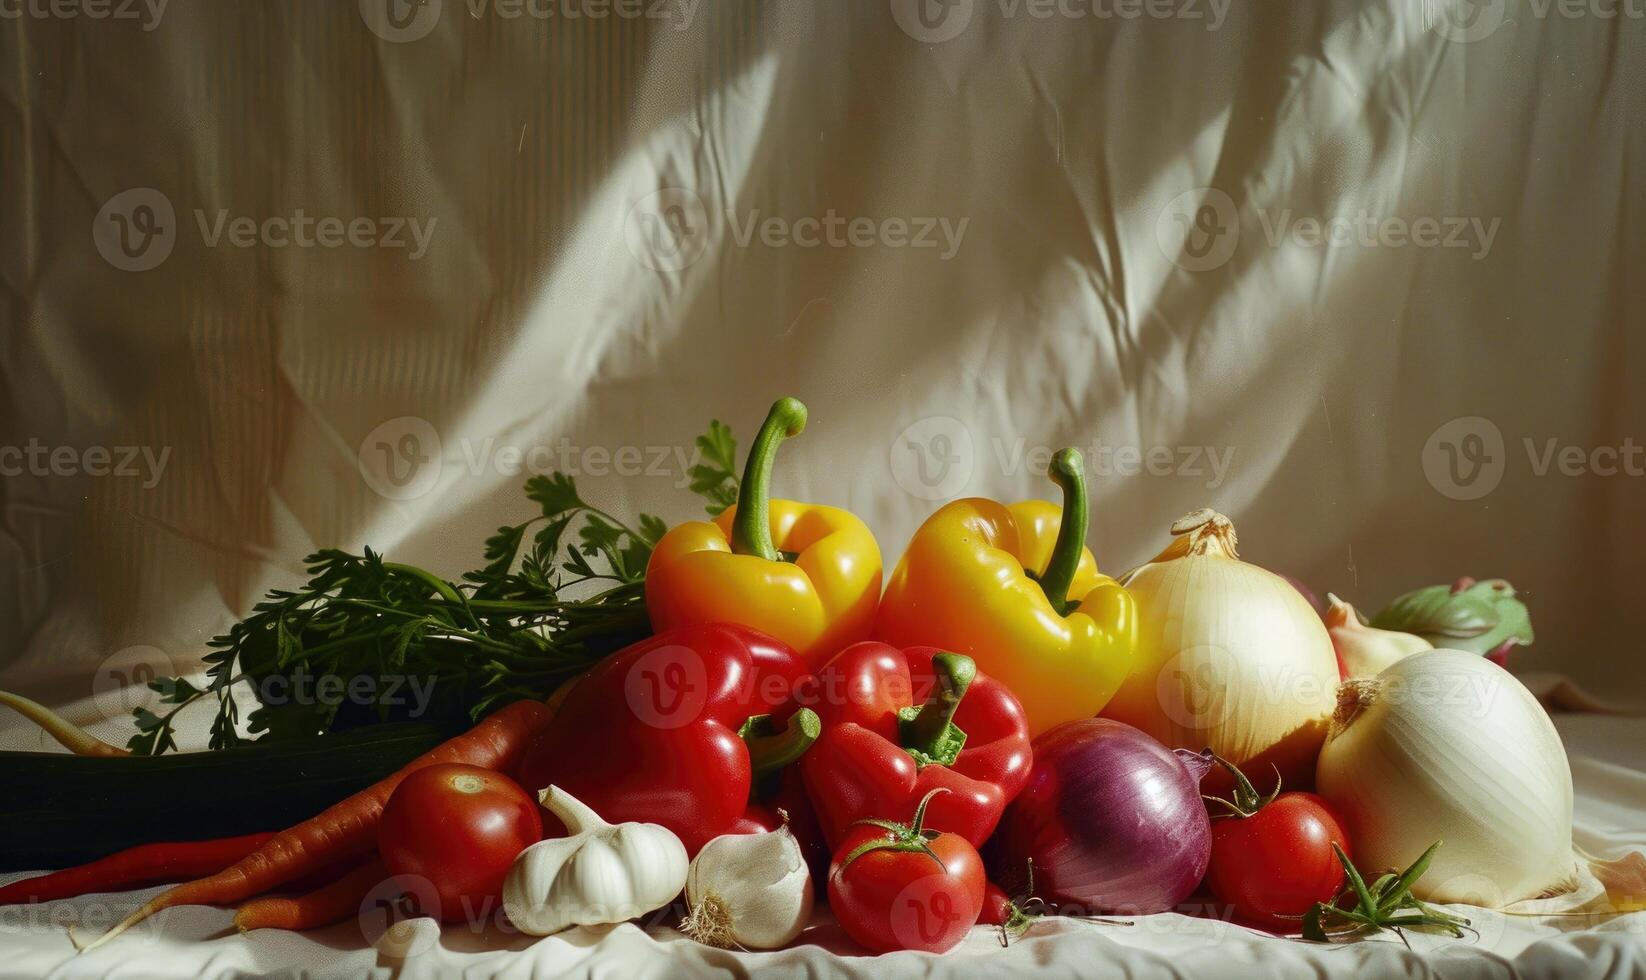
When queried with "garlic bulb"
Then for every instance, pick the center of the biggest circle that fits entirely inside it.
(748, 890)
(598, 873)
(1364, 651)
(1447, 745)
(1229, 656)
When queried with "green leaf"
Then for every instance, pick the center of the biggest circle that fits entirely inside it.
(555, 493)
(652, 528)
(719, 446)
(1477, 618)
(546, 543)
(174, 690)
(1362, 893)
(500, 551)
(1401, 889)
(714, 478)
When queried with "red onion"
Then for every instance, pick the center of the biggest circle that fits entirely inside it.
(1112, 820)
(1307, 593)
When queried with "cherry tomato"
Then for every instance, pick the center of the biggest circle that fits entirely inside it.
(1278, 861)
(896, 896)
(997, 906)
(460, 827)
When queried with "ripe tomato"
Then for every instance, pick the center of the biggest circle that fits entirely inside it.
(1278, 861)
(460, 827)
(893, 895)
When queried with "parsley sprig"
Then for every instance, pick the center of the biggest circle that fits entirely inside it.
(556, 594)
(1387, 903)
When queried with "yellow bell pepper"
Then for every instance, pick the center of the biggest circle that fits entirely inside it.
(806, 574)
(1015, 589)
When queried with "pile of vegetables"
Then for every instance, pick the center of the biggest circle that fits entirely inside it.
(731, 711)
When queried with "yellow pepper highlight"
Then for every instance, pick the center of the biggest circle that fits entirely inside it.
(735, 571)
(1017, 592)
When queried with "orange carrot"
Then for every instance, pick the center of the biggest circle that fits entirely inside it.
(136, 867)
(347, 829)
(333, 903)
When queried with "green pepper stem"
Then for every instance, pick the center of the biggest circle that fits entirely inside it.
(1068, 471)
(931, 734)
(752, 528)
(771, 751)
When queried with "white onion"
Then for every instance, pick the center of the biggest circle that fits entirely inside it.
(1445, 745)
(1229, 656)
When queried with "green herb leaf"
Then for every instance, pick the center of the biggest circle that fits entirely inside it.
(555, 493)
(714, 478)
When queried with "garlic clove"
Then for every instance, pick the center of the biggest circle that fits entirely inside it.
(1364, 651)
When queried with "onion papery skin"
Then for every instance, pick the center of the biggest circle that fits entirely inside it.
(1112, 820)
(1233, 657)
(1447, 745)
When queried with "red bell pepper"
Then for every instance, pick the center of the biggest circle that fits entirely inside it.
(676, 730)
(882, 750)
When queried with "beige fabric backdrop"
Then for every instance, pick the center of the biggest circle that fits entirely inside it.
(1112, 237)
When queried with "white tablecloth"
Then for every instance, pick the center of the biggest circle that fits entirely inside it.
(1608, 766)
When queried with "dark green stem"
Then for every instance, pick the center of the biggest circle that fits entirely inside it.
(929, 732)
(912, 837)
(752, 529)
(1246, 799)
(1068, 471)
(770, 751)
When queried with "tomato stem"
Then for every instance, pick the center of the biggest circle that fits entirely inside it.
(903, 838)
(1246, 799)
